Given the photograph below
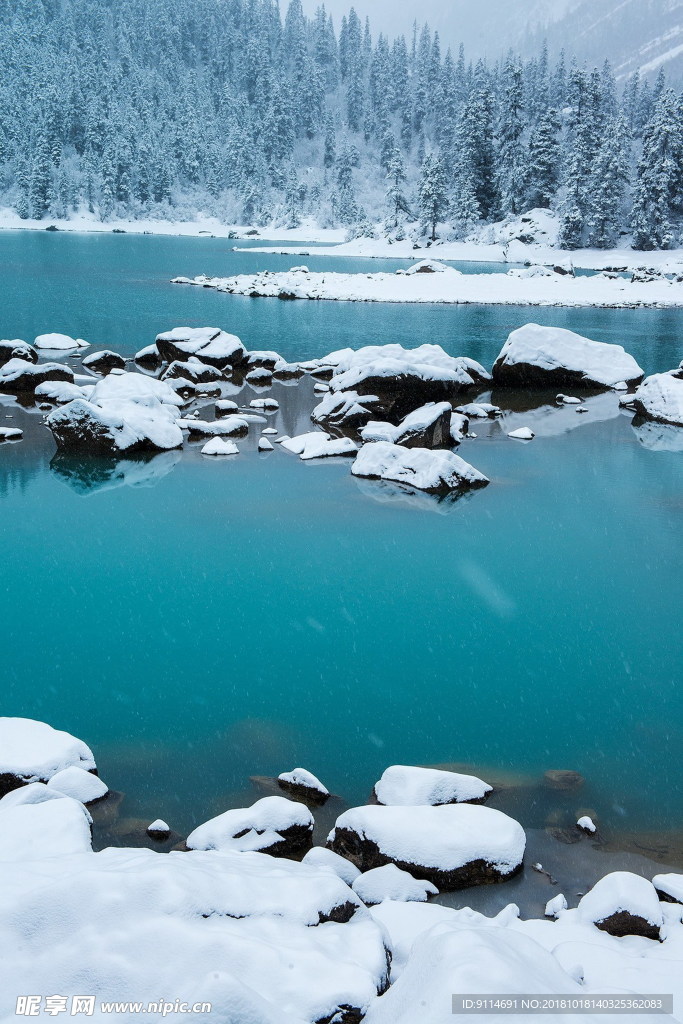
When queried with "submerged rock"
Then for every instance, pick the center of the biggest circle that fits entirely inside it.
(623, 903)
(566, 780)
(535, 356)
(435, 472)
(452, 846)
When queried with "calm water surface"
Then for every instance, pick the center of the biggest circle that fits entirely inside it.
(222, 620)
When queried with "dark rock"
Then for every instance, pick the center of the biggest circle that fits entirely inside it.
(304, 794)
(104, 362)
(566, 781)
(623, 923)
(194, 371)
(347, 411)
(149, 357)
(21, 376)
(17, 350)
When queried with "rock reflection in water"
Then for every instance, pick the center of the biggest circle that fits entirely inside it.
(388, 492)
(86, 475)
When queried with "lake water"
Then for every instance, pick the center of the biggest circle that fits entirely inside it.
(222, 620)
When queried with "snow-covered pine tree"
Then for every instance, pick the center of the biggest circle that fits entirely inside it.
(432, 196)
(660, 174)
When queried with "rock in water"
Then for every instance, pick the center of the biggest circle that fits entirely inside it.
(563, 779)
(535, 356)
(402, 785)
(209, 344)
(104, 362)
(272, 825)
(115, 427)
(20, 375)
(452, 846)
(59, 341)
(426, 427)
(158, 830)
(303, 785)
(78, 783)
(435, 472)
(660, 398)
(622, 903)
(220, 446)
(33, 752)
(346, 410)
(17, 349)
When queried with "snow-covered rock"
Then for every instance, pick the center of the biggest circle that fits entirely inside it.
(453, 846)
(194, 370)
(57, 342)
(287, 371)
(125, 426)
(669, 887)
(522, 434)
(546, 356)
(149, 357)
(321, 857)
(219, 446)
(302, 784)
(527, 273)
(269, 431)
(118, 386)
(297, 444)
(32, 751)
(660, 398)
(320, 447)
(268, 404)
(17, 349)
(555, 906)
(426, 267)
(78, 783)
(59, 391)
(18, 375)
(346, 410)
(264, 445)
(272, 825)
(228, 426)
(158, 829)
(262, 941)
(403, 785)
(209, 344)
(586, 824)
(261, 377)
(479, 410)
(436, 472)
(39, 826)
(460, 426)
(103, 362)
(225, 407)
(570, 399)
(262, 359)
(426, 427)
(406, 378)
(11, 434)
(391, 883)
(623, 903)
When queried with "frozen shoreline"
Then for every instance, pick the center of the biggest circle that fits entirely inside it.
(451, 287)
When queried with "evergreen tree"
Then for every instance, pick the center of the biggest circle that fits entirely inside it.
(395, 196)
(660, 171)
(432, 195)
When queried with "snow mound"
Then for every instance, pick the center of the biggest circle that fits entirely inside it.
(660, 398)
(44, 828)
(265, 445)
(391, 883)
(623, 903)
(545, 356)
(33, 751)
(320, 447)
(273, 824)
(522, 434)
(78, 783)
(556, 906)
(58, 342)
(402, 785)
(453, 845)
(320, 857)
(133, 387)
(427, 267)
(435, 472)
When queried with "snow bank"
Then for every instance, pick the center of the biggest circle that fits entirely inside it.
(402, 785)
(391, 883)
(453, 845)
(549, 356)
(660, 398)
(58, 342)
(273, 824)
(33, 752)
(622, 903)
(435, 472)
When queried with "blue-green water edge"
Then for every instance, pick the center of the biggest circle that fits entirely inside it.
(240, 619)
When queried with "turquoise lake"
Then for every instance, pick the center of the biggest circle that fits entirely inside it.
(225, 620)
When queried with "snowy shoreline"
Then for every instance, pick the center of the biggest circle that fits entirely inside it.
(533, 287)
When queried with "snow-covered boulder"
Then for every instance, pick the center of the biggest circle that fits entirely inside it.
(58, 391)
(133, 387)
(480, 410)
(225, 407)
(105, 361)
(78, 783)
(346, 410)
(426, 267)
(487, 961)
(113, 427)
(262, 941)
(57, 342)
(260, 377)
(453, 846)
(404, 785)
(460, 426)
(303, 785)
(622, 903)
(669, 887)
(264, 445)
(321, 857)
(158, 830)
(19, 375)
(267, 404)
(287, 371)
(297, 444)
(33, 751)
(11, 434)
(660, 398)
(406, 378)
(209, 344)
(522, 434)
(548, 356)
(149, 357)
(391, 883)
(272, 825)
(220, 446)
(38, 826)
(586, 824)
(17, 349)
(426, 427)
(228, 426)
(321, 447)
(435, 472)
(194, 370)
(556, 906)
